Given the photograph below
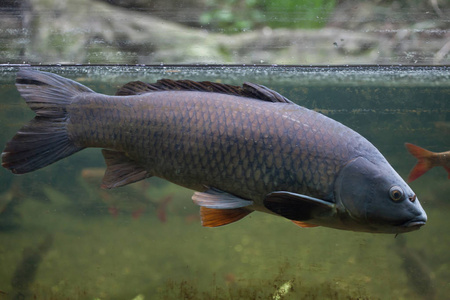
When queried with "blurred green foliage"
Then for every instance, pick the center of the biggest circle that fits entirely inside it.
(233, 15)
(239, 15)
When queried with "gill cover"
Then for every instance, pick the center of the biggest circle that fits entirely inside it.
(353, 186)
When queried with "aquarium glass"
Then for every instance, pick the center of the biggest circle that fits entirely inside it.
(65, 237)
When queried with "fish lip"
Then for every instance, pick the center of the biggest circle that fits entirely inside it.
(414, 223)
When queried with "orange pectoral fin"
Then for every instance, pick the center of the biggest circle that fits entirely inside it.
(304, 224)
(217, 217)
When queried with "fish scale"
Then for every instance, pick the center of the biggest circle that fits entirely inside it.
(200, 150)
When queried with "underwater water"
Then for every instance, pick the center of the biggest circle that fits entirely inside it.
(61, 236)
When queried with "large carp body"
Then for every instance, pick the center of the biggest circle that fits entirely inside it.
(241, 148)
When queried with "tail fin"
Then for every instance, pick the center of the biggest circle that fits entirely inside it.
(44, 140)
(424, 162)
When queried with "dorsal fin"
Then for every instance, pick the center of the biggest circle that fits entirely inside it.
(258, 91)
(249, 90)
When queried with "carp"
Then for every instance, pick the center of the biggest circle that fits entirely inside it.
(240, 148)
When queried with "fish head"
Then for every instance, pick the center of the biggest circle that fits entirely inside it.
(373, 197)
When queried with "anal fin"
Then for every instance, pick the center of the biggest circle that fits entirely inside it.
(218, 217)
(121, 170)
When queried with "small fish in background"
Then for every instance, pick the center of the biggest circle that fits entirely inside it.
(131, 199)
(26, 270)
(427, 160)
(420, 277)
(230, 278)
(161, 211)
(192, 218)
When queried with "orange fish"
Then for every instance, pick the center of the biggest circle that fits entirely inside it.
(427, 160)
(161, 211)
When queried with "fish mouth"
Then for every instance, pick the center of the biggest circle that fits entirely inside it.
(414, 224)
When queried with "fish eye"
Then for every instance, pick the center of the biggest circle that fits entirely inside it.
(396, 193)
